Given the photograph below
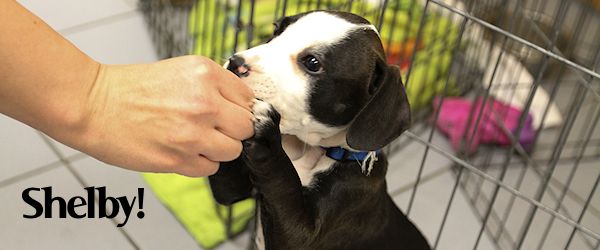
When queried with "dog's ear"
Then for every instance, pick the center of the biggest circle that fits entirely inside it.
(280, 25)
(385, 115)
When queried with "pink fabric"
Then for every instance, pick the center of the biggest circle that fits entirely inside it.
(454, 116)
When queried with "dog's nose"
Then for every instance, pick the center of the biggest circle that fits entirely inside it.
(238, 66)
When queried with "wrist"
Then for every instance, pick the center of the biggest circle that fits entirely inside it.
(86, 122)
(72, 112)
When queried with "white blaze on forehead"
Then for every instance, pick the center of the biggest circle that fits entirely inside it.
(317, 28)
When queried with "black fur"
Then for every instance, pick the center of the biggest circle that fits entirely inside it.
(340, 92)
(347, 210)
(231, 183)
(344, 209)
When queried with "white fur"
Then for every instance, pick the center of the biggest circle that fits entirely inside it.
(260, 110)
(259, 238)
(307, 172)
(310, 161)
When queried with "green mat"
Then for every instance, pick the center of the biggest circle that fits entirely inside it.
(191, 201)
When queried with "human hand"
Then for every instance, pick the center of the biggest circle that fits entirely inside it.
(180, 115)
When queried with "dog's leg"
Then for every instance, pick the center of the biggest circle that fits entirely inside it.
(231, 183)
(275, 178)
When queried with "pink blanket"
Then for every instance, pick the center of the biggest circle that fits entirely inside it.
(454, 116)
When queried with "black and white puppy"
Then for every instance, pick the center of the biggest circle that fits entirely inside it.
(329, 103)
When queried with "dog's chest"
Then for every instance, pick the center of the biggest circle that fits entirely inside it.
(307, 160)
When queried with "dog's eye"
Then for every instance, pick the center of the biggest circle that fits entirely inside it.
(312, 64)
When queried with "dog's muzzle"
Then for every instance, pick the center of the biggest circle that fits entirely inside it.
(238, 66)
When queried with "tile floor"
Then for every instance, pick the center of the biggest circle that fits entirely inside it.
(113, 31)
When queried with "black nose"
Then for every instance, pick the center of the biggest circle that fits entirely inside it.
(238, 66)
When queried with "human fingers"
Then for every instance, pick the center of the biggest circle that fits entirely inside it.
(234, 90)
(198, 166)
(234, 121)
(219, 147)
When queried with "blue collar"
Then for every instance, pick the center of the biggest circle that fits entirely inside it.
(340, 154)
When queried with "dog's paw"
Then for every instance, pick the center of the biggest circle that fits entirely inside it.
(267, 137)
(266, 119)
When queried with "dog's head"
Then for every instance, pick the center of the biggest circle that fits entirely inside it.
(326, 74)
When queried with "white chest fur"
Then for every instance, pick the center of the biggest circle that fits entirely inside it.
(307, 160)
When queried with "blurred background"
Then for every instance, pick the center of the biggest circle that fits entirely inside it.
(504, 151)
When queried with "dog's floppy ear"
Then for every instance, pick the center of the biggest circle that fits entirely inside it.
(385, 115)
(280, 25)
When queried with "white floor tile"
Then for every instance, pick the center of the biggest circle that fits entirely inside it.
(21, 149)
(580, 188)
(517, 213)
(229, 245)
(433, 194)
(17, 232)
(242, 240)
(159, 229)
(62, 14)
(133, 3)
(572, 206)
(121, 42)
(404, 165)
(64, 150)
(428, 210)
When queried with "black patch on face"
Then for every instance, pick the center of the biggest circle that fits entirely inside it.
(351, 71)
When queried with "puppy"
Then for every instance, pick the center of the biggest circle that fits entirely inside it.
(329, 103)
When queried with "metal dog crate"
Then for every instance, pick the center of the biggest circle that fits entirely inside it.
(538, 195)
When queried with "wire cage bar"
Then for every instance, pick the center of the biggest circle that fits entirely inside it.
(529, 177)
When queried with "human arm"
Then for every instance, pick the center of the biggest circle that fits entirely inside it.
(180, 115)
